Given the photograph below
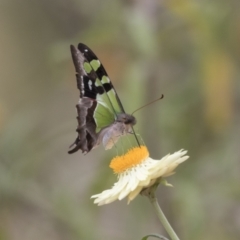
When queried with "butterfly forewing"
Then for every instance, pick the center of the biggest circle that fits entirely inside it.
(102, 75)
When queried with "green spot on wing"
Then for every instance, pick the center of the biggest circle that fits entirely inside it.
(105, 79)
(95, 64)
(98, 83)
(87, 67)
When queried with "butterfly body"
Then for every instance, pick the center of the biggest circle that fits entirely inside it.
(122, 126)
(101, 117)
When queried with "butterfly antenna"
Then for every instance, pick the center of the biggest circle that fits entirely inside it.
(148, 104)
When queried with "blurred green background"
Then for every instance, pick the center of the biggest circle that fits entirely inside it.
(188, 50)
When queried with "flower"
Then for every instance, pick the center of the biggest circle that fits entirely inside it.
(136, 171)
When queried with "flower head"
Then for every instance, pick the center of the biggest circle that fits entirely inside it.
(136, 171)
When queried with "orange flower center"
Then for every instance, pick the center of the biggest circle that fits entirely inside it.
(132, 158)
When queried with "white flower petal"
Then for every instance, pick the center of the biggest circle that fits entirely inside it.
(134, 193)
(131, 181)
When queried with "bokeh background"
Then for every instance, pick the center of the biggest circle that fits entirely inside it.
(187, 50)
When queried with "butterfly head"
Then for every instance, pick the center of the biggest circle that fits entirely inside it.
(126, 119)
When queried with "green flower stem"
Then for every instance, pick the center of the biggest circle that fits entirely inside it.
(152, 196)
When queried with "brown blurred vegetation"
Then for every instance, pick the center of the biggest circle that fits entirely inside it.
(186, 49)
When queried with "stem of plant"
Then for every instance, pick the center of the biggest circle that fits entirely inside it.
(152, 197)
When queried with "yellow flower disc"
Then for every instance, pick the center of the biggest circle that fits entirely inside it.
(133, 157)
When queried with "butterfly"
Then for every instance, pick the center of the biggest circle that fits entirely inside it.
(100, 114)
